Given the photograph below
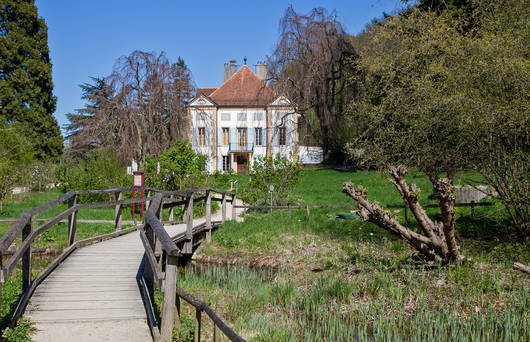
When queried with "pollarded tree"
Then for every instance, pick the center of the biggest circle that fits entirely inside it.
(415, 113)
(26, 99)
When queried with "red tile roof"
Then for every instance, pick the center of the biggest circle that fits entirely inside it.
(205, 91)
(243, 88)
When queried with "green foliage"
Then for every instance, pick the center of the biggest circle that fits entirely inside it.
(15, 151)
(26, 78)
(278, 171)
(180, 168)
(100, 170)
(21, 332)
(447, 89)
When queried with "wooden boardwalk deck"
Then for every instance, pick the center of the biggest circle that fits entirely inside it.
(94, 294)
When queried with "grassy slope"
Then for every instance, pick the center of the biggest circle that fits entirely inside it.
(333, 279)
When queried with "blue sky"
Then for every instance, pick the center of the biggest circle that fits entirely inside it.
(87, 37)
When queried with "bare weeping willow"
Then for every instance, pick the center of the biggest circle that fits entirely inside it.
(136, 111)
(308, 66)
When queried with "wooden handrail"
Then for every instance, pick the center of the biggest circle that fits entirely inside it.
(200, 305)
(161, 234)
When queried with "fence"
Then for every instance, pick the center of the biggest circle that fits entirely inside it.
(391, 206)
(161, 252)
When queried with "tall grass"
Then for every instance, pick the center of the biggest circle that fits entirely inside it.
(267, 306)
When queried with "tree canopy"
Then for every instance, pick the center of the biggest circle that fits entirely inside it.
(26, 99)
(138, 110)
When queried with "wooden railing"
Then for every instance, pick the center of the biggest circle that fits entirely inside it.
(162, 255)
(307, 207)
(25, 225)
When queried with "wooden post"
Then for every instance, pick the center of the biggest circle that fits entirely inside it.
(188, 245)
(72, 221)
(308, 215)
(223, 208)
(170, 293)
(289, 209)
(208, 216)
(171, 211)
(117, 210)
(147, 203)
(472, 209)
(216, 331)
(185, 211)
(148, 272)
(234, 207)
(26, 257)
(197, 337)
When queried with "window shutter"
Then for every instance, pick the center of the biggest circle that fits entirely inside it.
(288, 137)
(194, 138)
(219, 161)
(219, 137)
(276, 136)
(233, 139)
(264, 137)
(250, 141)
(208, 130)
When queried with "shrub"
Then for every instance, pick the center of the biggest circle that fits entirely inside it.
(99, 170)
(180, 167)
(278, 171)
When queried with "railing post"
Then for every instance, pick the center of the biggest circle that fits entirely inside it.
(26, 258)
(185, 211)
(147, 203)
(72, 221)
(223, 208)
(188, 245)
(308, 214)
(170, 293)
(197, 337)
(208, 216)
(171, 210)
(472, 209)
(148, 272)
(117, 210)
(216, 331)
(234, 207)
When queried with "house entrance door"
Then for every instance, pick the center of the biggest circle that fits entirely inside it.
(242, 161)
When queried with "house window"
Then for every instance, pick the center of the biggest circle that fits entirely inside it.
(202, 116)
(282, 136)
(225, 116)
(201, 141)
(226, 136)
(259, 136)
(242, 116)
(242, 137)
(226, 163)
(258, 116)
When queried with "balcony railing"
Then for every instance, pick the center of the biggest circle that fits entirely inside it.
(236, 147)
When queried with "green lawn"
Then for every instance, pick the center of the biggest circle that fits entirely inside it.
(332, 279)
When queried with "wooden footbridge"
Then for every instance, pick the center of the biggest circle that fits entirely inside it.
(102, 288)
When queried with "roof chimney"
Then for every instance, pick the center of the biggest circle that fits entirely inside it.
(229, 69)
(261, 71)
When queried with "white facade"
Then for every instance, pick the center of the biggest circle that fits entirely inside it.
(238, 122)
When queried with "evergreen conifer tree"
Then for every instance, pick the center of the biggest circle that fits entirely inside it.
(26, 99)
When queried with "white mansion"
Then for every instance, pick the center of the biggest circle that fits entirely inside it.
(244, 119)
